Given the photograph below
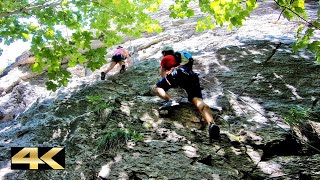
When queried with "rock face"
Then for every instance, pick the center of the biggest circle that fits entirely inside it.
(250, 78)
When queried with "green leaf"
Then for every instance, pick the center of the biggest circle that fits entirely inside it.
(190, 13)
(64, 82)
(234, 21)
(299, 30)
(51, 86)
(50, 33)
(227, 16)
(173, 15)
(282, 2)
(25, 36)
(249, 5)
(81, 59)
(64, 3)
(287, 14)
(314, 46)
(299, 10)
(244, 13)
(310, 31)
(72, 63)
(37, 68)
(316, 24)
(295, 47)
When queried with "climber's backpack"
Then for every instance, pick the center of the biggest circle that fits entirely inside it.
(184, 57)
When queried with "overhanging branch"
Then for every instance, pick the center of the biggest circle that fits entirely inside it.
(285, 7)
(24, 10)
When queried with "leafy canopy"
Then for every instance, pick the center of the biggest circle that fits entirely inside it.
(57, 29)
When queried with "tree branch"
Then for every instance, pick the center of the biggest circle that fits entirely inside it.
(296, 14)
(281, 13)
(24, 10)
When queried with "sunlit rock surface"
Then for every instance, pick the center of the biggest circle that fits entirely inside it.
(250, 78)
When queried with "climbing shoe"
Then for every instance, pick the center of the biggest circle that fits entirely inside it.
(123, 69)
(103, 75)
(169, 104)
(214, 131)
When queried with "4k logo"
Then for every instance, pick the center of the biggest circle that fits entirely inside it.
(28, 158)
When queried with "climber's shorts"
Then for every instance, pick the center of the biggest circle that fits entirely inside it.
(162, 83)
(118, 57)
(180, 77)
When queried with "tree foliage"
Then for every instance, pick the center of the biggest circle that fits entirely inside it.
(45, 24)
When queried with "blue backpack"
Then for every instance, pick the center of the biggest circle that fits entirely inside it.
(184, 57)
